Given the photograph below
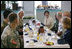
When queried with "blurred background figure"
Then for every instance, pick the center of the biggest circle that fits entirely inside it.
(20, 27)
(5, 20)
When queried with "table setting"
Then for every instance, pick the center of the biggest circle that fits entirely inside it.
(48, 39)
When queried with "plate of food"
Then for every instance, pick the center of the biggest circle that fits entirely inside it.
(49, 43)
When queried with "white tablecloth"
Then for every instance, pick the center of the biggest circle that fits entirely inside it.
(40, 44)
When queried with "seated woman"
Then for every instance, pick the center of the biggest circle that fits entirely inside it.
(48, 21)
(66, 38)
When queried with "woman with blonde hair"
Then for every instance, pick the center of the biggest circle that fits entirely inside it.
(66, 38)
(67, 14)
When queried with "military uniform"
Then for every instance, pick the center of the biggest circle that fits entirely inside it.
(3, 26)
(20, 31)
(10, 38)
(20, 26)
(21, 22)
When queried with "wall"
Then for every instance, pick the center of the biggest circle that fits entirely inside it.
(28, 8)
(66, 5)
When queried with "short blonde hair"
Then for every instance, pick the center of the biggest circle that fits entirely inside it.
(66, 13)
(66, 22)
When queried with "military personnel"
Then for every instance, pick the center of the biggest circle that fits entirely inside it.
(5, 21)
(10, 37)
(20, 28)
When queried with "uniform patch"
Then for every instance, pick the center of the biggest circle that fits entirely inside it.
(13, 41)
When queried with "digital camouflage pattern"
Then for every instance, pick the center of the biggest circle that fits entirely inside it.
(10, 38)
(20, 31)
(3, 25)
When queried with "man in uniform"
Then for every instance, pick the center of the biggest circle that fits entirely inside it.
(10, 37)
(20, 28)
(5, 21)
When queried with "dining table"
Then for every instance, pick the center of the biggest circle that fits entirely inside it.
(32, 40)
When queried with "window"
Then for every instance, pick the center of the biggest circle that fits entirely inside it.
(20, 3)
(9, 4)
(54, 3)
(49, 3)
(37, 3)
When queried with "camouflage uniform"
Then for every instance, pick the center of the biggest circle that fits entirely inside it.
(3, 26)
(10, 38)
(21, 22)
(20, 26)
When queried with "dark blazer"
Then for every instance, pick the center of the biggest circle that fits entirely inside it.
(66, 38)
(55, 27)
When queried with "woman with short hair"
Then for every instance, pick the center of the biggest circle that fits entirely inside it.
(66, 38)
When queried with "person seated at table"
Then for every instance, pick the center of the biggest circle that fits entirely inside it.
(60, 28)
(34, 22)
(48, 21)
(41, 31)
(55, 27)
(5, 20)
(67, 14)
(20, 27)
(66, 38)
(10, 37)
